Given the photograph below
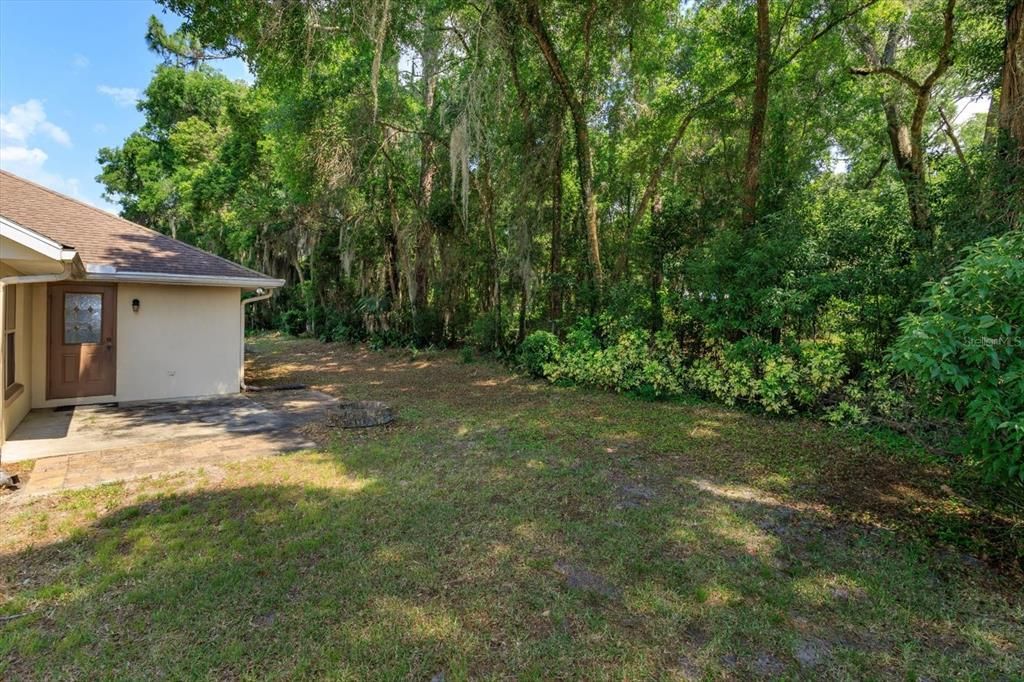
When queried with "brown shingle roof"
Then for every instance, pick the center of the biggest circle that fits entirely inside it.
(104, 239)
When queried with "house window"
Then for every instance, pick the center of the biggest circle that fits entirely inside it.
(10, 324)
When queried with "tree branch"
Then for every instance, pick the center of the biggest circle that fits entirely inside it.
(951, 134)
(820, 33)
(891, 72)
(737, 84)
(945, 59)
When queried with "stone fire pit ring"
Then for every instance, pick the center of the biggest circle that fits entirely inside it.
(361, 414)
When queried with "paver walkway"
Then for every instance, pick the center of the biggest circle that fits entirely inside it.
(85, 469)
(121, 443)
(87, 428)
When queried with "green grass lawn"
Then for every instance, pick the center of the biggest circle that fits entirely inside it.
(508, 529)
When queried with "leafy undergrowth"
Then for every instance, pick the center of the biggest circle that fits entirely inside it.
(504, 528)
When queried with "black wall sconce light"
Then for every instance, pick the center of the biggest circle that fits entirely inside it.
(135, 305)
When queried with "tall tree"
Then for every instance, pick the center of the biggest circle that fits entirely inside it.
(577, 111)
(752, 168)
(907, 139)
(428, 169)
(1011, 91)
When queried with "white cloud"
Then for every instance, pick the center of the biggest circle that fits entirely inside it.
(79, 62)
(24, 128)
(22, 121)
(124, 97)
(12, 155)
(21, 129)
(58, 134)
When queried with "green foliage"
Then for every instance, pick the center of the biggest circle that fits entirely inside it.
(538, 350)
(966, 350)
(292, 321)
(632, 362)
(779, 379)
(346, 326)
(491, 333)
(878, 392)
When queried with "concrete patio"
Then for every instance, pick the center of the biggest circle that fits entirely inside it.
(89, 445)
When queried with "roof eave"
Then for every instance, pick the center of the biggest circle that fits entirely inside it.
(37, 242)
(247, 283)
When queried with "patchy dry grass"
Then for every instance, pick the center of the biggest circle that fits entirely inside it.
(503, 528)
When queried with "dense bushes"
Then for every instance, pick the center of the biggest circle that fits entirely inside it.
(778, 378)
(966, 349)
(371, 320)
(796, 314)
(629, 363)
(538, 350)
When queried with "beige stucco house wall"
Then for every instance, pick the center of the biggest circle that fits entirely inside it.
(184, 342)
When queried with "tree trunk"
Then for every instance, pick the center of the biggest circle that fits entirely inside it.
(425, 233)
(908, 144)
(916, 180)
(1011, 99)
(487, 209)
(584, 160)
(393, 255)
(911, 174)
(524, 302)
(555, 302)
(951, 134)
(752, 169)
(650, 190)
(1011, 114)
(992, 119)
(529, 149)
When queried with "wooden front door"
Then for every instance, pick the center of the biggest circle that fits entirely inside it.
(82, 358)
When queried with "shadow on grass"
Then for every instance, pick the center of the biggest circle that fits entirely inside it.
(475, 566)
(284, 580)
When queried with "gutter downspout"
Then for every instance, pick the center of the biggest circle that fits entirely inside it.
(65, 273)
(260, 296)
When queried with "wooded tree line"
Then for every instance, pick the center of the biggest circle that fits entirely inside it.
(687, 195)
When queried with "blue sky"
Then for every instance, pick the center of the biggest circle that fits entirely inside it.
(70, 72)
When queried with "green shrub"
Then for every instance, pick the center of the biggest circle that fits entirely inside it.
(630, 363)
(584, 336)
(779, 378)
(388, 338)
(427, 328)
(292, 322)
(879, 391)
(343, 325)
(966, 349)
(847, 412)
(537, 350)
